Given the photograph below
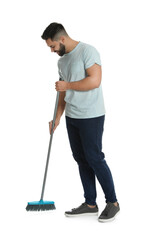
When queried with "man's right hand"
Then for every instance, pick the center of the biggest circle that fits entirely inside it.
(57, 122)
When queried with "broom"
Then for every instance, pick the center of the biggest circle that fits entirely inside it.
(45, 205)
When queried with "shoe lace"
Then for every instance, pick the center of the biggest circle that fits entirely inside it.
(73, 209)
(106, 210)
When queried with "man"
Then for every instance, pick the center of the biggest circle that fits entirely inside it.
(81, 98)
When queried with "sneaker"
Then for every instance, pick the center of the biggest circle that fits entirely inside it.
(109, 213)
(82, 210)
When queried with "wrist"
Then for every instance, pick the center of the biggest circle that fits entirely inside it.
(69, 86)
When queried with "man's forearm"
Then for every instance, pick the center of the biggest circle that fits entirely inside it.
(85, 84)
(61, 105)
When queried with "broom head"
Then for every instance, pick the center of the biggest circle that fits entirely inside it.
(40, 206)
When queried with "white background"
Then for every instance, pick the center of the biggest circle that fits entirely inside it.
(121, 31)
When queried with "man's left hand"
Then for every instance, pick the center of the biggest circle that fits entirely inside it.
(61, 86)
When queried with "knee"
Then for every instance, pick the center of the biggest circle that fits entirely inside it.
(79, 158)
(97, 161)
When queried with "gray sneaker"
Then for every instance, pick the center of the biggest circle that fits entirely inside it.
(82, 210)
(109, 213)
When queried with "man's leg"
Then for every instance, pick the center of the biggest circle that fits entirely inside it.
(91, 131)
(86, 172)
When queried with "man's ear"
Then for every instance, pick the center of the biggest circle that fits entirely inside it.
(62, 39)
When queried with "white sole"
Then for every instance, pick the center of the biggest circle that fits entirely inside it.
(108, 220)
(82, 214)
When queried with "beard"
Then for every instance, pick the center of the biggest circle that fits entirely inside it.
(61, 51)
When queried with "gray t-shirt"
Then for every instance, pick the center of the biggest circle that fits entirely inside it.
(72, 67)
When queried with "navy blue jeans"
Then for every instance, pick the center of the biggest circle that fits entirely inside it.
(85, 136)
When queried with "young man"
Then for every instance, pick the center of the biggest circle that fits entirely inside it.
(81, 98)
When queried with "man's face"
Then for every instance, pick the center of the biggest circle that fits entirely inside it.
(56, 46)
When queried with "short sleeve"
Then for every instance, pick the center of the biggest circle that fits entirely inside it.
(60, 72)
(91, 56)
(60, 75)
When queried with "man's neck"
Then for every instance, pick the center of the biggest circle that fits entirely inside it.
(71, 45)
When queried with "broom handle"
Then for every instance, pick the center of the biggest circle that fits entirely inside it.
(50, 144)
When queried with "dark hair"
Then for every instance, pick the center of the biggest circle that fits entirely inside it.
(54, 31)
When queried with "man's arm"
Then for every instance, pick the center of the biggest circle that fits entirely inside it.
(93, 80)
(60, 110)
(61, 105)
